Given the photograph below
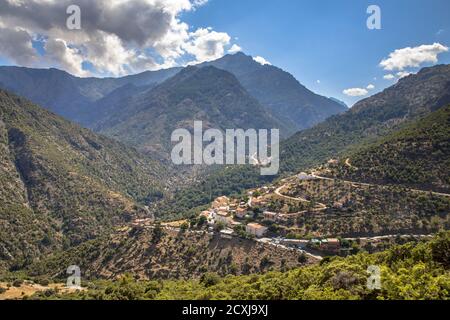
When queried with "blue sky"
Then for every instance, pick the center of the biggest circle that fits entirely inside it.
(328, 40)
(325, 44)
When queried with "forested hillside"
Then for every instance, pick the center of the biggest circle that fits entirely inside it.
(61, 184)
(410, 271)
(370, 119)
(195, 94)
(411, 98)
(418, 155)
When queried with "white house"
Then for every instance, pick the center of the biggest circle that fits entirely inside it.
(241, 212)
(226, 234)
(256, 229)
(223, 217)
(304, 176)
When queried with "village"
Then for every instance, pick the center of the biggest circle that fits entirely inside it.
(276, 215)
(269, 214)
(258, 214)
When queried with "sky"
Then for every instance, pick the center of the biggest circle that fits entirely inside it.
(325, 44)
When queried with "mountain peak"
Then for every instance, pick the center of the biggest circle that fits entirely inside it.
(279, 91)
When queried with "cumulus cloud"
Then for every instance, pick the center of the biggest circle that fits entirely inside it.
(355, 92)
(207, 45)
(117, 37)
(370, 87)
(16, 44)
(262, 61)
(403, 74)
(67, 58)
(234, 49)
(389, 76)
(413, 57)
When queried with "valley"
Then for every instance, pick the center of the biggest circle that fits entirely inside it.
(354, 187)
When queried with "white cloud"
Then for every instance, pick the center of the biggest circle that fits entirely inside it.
(234, 49)
(389, 76)
(67, 58)
(207, 45)
(355, 92)
(16, 44)
(370, 87)
(262, 61)
(113, 44)
(318, 81)
(413, 57)
(403, 74)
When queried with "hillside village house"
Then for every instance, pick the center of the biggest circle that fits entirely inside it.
(223, 217)
(220, 202)
(226, 234)
(270, 216)
(256, 229)
(329, 245)
(241, 212)
(304, 176)
(205, 214)
(332, 245)
(258, 202)
(210, 216)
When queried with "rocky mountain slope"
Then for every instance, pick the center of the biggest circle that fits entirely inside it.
(69, 96)
(279, 91)
(86, 100)
(203, 94)
(375, 117)
(411, 98)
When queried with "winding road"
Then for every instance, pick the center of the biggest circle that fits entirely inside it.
(278, 193)
(378, 185)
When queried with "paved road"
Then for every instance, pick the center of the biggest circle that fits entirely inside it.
(378, 185)
(348, 164)
(391, 236)
(270, 242)
(278, 193)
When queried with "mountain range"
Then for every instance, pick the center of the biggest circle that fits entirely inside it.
(279, 91)
(72, 97)
(63, 185)
(206, 94)
(373, 118)
(86, 100)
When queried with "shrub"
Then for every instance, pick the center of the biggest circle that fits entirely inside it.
(17, 283)
(210, 279)
(43, 282)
